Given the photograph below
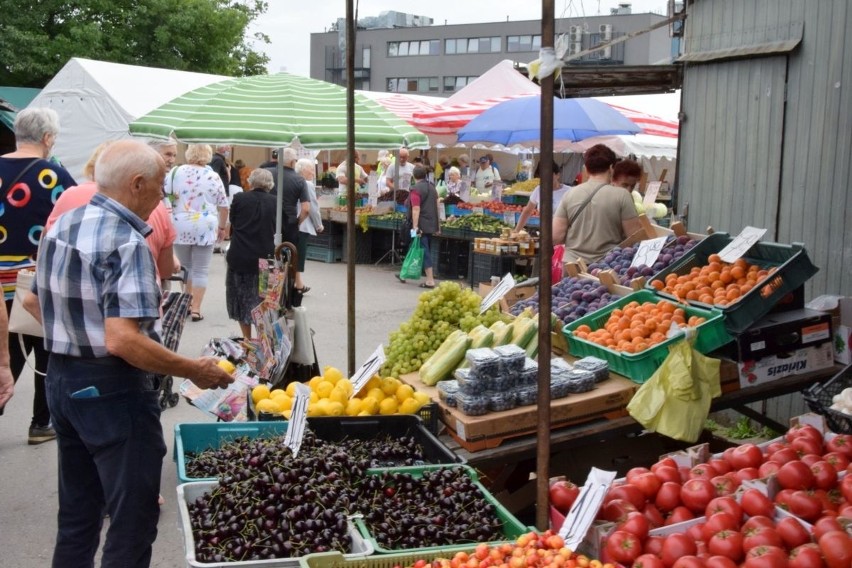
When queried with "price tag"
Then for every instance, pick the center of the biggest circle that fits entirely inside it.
(478, 211)
(650, 198)
(500, 290)
(370, 367)
(648, 252)
(509, 218)
(296, 427)
(741, 243)
(585, 508)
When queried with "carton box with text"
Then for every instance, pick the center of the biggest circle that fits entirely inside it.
(774, 367)
(840, 309)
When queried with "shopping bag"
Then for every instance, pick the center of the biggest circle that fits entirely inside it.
(412, 266)
(676, 399)
(556, 266)
(20, 320)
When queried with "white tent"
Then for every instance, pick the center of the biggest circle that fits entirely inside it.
(96, 100)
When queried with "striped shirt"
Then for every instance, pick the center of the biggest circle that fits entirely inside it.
(93, 264)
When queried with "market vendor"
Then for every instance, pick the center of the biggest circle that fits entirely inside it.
(559, 190)
(403, 169)
(343, 171)
(485, 175)
(594, 216)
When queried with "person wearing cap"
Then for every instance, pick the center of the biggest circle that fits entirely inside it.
(485, 175)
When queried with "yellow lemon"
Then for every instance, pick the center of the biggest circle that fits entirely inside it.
(291, 389)
(421, 397)
(314, 409)
(375, 382)
(378, 394)
(324, 389)
(409, 406)
(226, 366)
(287, 413)
(259, 392)
(314, 382)
(354, 407)
(331, 374)
(370, 405)
(285, 402)
(404, 392)
(389, 385)
(268, 405)
(388, 406)
(313, 397)
(346, 385)
(278, 393)
(364, 413)
(338, 395)
(335, 408)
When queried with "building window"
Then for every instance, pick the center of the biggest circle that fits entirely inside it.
(515, 43)
(365, 55)
(407, 48)
(452, 84)
(472, 45)
(413, 85)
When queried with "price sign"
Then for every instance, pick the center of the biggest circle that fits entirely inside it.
(500, 290)
(478, 211)
(741, 243)
(585, 508)
(648, 252)
(296, 428)
(370, 367)
(509, 218)
(650, 198)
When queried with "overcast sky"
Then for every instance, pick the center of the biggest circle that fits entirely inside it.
(290, 23)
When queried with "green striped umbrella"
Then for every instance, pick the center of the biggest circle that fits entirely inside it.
(274, 111)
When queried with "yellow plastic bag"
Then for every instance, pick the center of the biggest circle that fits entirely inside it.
(676, 399)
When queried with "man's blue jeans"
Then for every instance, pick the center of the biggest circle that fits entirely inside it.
(111, 452)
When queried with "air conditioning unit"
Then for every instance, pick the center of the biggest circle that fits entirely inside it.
(576, 33)
(606, 32)
(576, 48)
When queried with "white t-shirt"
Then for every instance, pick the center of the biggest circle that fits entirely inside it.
(406, 172)
(483, 177)
(535, 196)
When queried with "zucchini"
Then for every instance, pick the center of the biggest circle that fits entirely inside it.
(523, 330)
(532, 347)
(480, 336)
(502, 333)
(445, 360)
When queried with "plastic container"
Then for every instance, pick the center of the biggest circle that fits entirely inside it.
(529, 374)
(501, 400)
(472, 404)
(189, 492)
(470, 384)
(580, 381)
(526, 395)
(511, 358)
(793, 265)
(640, 366)
(598, 367)
(447, 391)
(819, 399)
(338, 560)
(512, 527)
(484, 362)
(559, 387)
(504, 382)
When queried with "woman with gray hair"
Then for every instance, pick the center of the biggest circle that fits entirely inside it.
(312, 223)
(200, 215)
(456, 185)
(252, 218)
(29, 185)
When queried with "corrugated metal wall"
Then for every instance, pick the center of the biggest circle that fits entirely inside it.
(751, 156)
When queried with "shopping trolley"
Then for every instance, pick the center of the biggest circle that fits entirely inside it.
(176, 307)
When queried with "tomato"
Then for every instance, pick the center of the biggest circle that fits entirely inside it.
(675, 546)
(678, 515)
(806, 556)
(846, 488)
(668, 497)
(634, 471)
(824, 525)
(664, 462)
(830, 500)
(666, 473)
(784, 455)
(805, 505)
(782, 498)
(720, 465)
(842, 444)
(838, 460)
(696, 532)
(795, 475)
(756, 503)
(654, 545)
(623, 547)
(725, 504)
(746, 455)
(792, 532)
(836, 547)
(758, 521)
(724, 485)
(636, 524)
(720, 562)
(702, 471)
(719, 522)
(647, 483)
(627, 492)
(697, 493)
(616, 510)
(654, 516)
(727, 543)
(747, 473)
(768, 468)
(774, 447)
(803, 446)
(766, 557)
(563, 494)
(810, 459)
(845, 511)
(825, 476)
(688, 562)
(761, 536)
(648, 561)
(803, 431)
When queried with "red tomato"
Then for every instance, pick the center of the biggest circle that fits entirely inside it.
(664, 462)
(824, 525)
(774, 447)
(768, 468)
(810, 459)
(668, 497)
(696, 532)
(675, 546)
(623, 547)
(758, 521)
(725, 504)
(648, 484)
(806, 556)
(666, 473)
(702, 471)
(719, 522)
(747, 473)
(654, 545)
(724, 485)
(845, 511)
(761, 536)
(720, 562)
(846, 488)
(678, 515)
(745, 455)
(756, 503)
(804, 445)
(838, 460)
(803, 431)
(634, 471)
(616, 510)
(654, 516)
(792, 532)
(766, 557)
(830, 500)
(688, 562)
(727, 543)
(627, 492)
(784, 455)
(648, 561)
(636, 524)
(782, 498)
(840, 443)
(697, 493)
(720, 465)
(563, 494)
(825, 476)
(836, 547)
(795, 475)
(806, 505)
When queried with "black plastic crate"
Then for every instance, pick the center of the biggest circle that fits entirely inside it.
(363, 247)
(481, 267)
(819, 399)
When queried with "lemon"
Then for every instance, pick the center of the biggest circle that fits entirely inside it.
(409, 406)
(285, 402)
(291, 389)
(287, 413)
(364, 413)
(324, 389)
(226, 366)
(388, 406)
(346, 385)
(314, 382)
(389, 385)
(375, 382)
(314, 409)
(404, 392)
(268, 405)
(421, 397)
(331, 374)
(338, 395)
(259, 392)
(278, 393)
(370, 405)
(322, 406)
(354, 407)
(378, 394)
(313, 397)
(335, 408)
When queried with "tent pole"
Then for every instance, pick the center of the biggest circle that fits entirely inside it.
(350, 186)
(279, 214)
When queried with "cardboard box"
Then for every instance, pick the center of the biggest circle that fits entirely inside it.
(840, 310)
(783, 332)
(513, 296)
(773, 367)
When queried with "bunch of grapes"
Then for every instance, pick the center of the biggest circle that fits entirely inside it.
(439, 312)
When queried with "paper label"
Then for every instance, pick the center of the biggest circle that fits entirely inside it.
(370, 367)
(509, 218)
(500, 290)
(478, 211)
(585, 508)
(648, 252)
(741, 244)
(651, 192)
(818, 332)
(296, 428)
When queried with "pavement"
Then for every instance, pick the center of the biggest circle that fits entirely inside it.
(28, 497)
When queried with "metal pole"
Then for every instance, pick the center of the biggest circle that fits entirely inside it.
(350, 186)
(545, 204)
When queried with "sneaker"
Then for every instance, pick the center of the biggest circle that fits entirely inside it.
(41, 434)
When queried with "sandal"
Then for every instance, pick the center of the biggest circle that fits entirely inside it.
(400, 279)
(303, 290)
(429, 286)
(196, 316)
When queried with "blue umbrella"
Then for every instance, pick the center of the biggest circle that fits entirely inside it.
(517, 121)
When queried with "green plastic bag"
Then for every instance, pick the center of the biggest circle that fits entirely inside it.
(676, 399)
(412, 266)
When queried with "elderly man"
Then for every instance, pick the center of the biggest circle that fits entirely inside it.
(296, 201)
(403, 168)
(97, 294)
